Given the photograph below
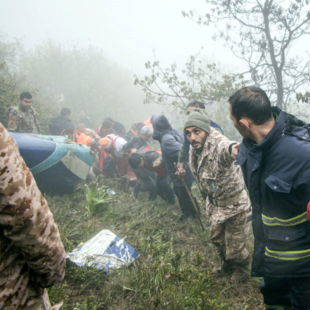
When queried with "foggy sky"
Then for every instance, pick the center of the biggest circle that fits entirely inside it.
(127, 31)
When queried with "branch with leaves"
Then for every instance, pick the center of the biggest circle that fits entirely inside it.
(262, 33)
(196, 80)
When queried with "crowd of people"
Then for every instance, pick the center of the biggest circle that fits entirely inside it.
(272, 162)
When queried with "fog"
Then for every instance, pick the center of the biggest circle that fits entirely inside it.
(127, 32)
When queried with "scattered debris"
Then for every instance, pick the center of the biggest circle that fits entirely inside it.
(104, 251)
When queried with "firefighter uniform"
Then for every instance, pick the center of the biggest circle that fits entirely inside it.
(277, 174)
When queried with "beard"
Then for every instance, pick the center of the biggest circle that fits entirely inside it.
(202, 144)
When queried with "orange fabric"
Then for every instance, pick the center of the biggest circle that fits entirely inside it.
(148, 123)
(81, 138)
(105, 142)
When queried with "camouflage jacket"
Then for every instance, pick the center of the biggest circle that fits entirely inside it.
(32, 256)
(218, 177)
(23, 120)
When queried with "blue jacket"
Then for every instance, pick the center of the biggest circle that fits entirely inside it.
(171, 141)
(277, 175)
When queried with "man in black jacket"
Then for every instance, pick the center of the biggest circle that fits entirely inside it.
(117, 127)
(274, 156)
(61, 122)
(140, 140)
(171, 141)
(146, 159)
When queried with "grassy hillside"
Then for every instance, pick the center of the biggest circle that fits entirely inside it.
(172, 272)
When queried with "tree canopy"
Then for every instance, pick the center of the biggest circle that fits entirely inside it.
(262, 33)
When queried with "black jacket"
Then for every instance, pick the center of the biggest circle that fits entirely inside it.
(277, 174)
(171, 141)
(59, 124)
(119, 129)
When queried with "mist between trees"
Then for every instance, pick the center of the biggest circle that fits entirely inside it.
(262, 34)
(75, 77)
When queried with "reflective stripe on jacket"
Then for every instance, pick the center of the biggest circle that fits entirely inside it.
(277, 174)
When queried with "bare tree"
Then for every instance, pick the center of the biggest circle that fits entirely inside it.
(262, 33)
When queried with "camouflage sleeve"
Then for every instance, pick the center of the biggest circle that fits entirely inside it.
(224, 157)
(25, 217)
(37, 124)
(13, 120)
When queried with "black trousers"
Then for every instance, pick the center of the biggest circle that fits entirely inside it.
(185, 202)
(147, 182)
(164, 189)
(286, 292)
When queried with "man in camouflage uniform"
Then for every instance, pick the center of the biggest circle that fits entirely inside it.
(227, 202)
(23, 118)
(32, 256)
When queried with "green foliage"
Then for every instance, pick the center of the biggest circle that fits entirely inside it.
(262, 34)
(75, 77)
(196, 80)
(13, 81)
(81, 78)
(172, 272)
(97, 198)
(8, 92)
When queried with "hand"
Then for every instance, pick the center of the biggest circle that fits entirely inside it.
(133, 151)
(180, 170)
(157, 162)
(234, 150)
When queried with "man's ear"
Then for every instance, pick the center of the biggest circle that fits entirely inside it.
(245, 123)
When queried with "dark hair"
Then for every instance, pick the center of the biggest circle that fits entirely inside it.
(25, 95)
(251, 102)
(65, 111)
(109, 119)
(106, 124)
(196, 104)
(134, 160)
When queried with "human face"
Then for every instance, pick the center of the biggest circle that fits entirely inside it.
(190, 109)
(196, 137)
(26, 103)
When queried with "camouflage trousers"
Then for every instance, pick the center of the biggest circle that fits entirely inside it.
(229, 238)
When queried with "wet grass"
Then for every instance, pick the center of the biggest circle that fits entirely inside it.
(172, 272)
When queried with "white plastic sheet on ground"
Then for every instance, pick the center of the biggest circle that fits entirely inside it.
(104, 251)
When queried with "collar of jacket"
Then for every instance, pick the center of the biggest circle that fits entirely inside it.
(285, 124)
(249, 146)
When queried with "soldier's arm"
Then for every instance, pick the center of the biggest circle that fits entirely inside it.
(25, 217)
(224, 149)
(13, 121)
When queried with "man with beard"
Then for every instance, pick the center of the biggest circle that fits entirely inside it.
(227, 202)
(23, 118)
